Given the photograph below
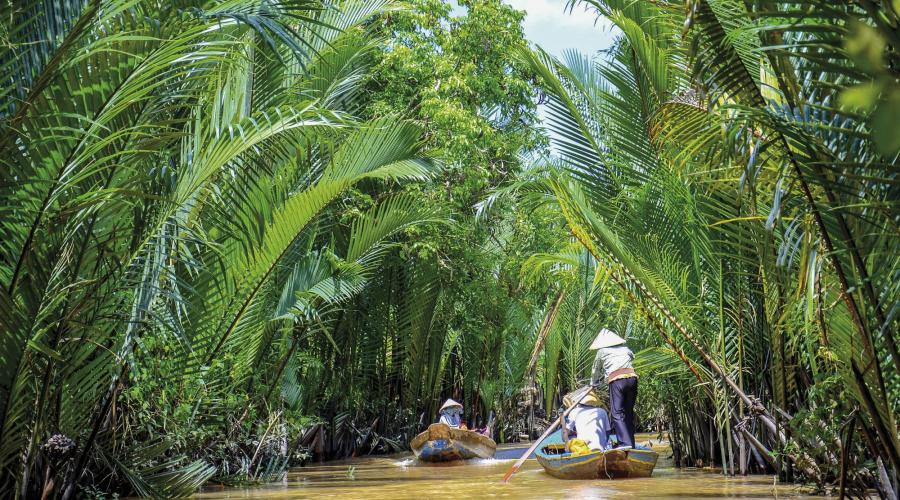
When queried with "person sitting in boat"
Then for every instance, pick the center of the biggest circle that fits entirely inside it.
(589, 421)
(612, 367)
(451, 414)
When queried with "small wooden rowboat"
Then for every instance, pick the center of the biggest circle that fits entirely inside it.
(610, 464)
(441, 443)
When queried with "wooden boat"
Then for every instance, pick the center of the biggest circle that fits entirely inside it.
(441, 443)
(610, 464)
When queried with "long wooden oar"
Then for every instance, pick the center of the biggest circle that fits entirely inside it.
(512, 470)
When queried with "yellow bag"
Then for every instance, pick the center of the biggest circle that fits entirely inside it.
(578, 447)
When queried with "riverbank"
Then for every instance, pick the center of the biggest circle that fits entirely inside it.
(402, 477)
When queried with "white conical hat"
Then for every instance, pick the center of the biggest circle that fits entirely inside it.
(450, 404)
(606, 338)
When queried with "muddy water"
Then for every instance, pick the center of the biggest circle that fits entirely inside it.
(402, 477)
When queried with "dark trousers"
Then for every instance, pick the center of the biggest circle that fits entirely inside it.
(622, 394)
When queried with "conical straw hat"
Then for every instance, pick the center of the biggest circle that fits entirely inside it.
(606, 338)
(450, 404)
(592, 399)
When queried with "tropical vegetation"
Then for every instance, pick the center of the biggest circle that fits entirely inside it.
(732, 175)
(239, 234)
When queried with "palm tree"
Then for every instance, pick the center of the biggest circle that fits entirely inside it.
(164, 167)
(678, 143)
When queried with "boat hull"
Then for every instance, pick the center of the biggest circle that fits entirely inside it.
(610, 464)
(440, 443)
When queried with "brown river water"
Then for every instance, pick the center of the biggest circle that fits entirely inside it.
(403, 477)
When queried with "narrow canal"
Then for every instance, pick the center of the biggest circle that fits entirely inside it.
(402, 477)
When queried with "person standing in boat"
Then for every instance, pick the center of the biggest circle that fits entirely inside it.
(613, 365)
(451, 414)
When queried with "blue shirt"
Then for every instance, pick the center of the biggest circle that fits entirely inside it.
(451, 418)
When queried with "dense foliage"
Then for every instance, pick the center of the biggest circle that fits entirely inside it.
(237, 232)
(730, 172)
(167, 172)
(445, 317)
(208, 243)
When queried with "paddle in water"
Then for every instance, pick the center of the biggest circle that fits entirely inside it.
(512, 470)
